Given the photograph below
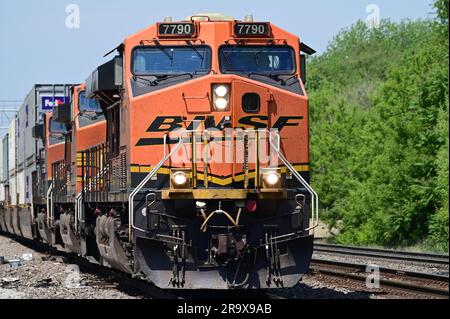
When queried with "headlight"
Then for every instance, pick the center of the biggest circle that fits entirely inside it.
(221, 91)
(180, 179)
(221, 104)
(271, 177)
(221, 97)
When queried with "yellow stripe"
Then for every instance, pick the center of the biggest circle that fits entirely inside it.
(216, 180)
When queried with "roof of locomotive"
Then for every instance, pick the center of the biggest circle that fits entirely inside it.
(209, 16)
(151, 31)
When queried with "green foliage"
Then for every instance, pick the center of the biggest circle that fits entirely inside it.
(442, 10)
(379, 113)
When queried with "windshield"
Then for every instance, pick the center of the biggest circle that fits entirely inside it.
(257, 59)
(88, 105)
(57, 127)
(57, 131)
(161, 60)
(90, 111)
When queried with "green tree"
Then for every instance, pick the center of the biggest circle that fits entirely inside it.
(379, 110)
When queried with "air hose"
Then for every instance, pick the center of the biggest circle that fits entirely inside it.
(204, 226)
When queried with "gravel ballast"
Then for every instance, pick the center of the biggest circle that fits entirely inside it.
(49, 277)
(53, 277)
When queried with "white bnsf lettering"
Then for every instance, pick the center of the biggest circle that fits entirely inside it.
(164, 124)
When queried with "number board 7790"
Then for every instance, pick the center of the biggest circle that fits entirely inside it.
(250, 29)
(185, 29)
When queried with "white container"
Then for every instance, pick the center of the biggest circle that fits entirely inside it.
(21, 191)
(42, 98)
(13, 191)
(12, 162)
(2, 193)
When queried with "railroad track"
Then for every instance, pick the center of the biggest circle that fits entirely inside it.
(109, 278)
(392, 281)
(382, 254)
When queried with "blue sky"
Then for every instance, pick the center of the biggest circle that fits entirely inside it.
(36, 46)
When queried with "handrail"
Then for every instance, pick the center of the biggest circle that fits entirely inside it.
(276, 147)
(314, 196)
(94, 180)
(101, 173)
(78, 204)
(49, 206)
(142, 184)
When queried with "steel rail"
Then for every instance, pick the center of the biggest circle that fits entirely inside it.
(409, 281)
(382, 253)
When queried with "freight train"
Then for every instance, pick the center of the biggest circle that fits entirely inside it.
(184, 160)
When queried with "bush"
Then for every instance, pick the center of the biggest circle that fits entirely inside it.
(379, 116)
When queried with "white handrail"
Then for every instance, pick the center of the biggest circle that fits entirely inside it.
(314, 196)
(95, 179)
(78, 204)
(142, 184)
(49, 206)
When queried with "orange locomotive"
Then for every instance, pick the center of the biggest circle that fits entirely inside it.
(203, 180)
(83, 126)
(65, 132)
(52, 134)
(185, 159)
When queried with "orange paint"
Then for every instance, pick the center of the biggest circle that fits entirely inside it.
(55, 152)
(140, 111)
(85, 137)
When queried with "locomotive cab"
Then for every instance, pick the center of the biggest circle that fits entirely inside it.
(53, 137)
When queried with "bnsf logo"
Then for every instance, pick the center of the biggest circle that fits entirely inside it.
(164, 124)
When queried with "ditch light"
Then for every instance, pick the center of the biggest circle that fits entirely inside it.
(271, 178)
(180, 178)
